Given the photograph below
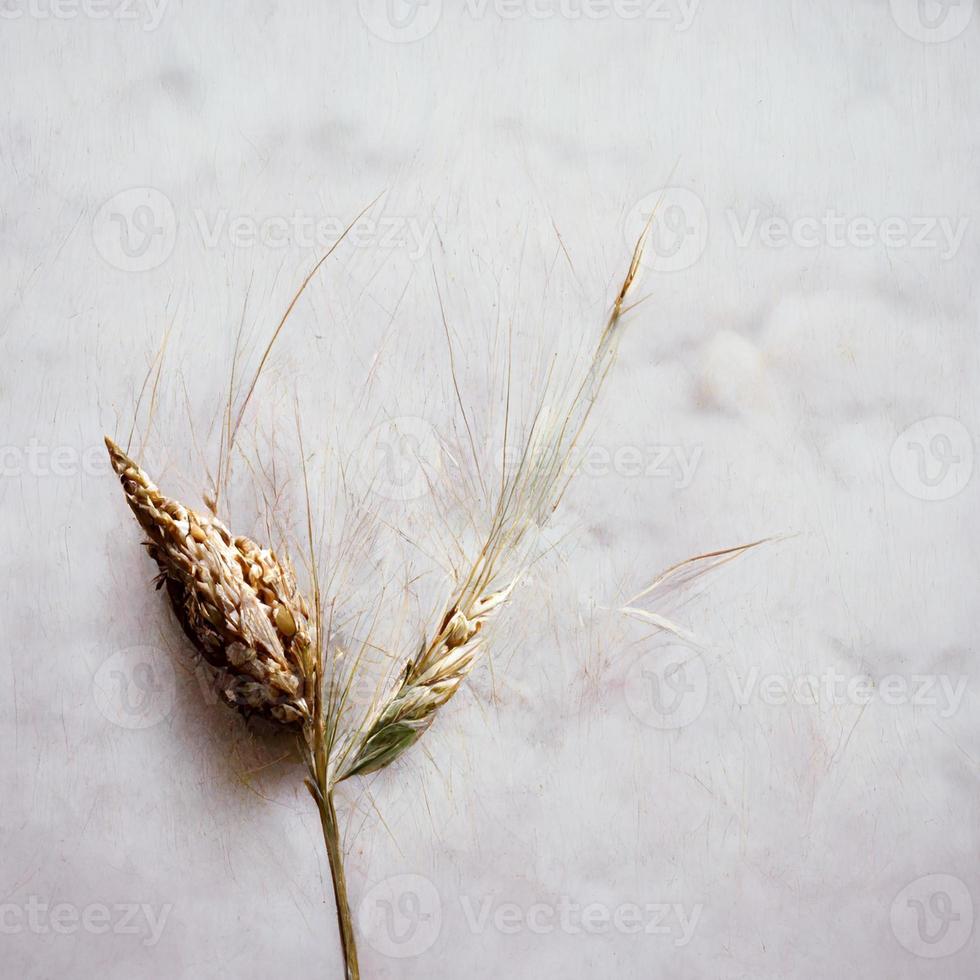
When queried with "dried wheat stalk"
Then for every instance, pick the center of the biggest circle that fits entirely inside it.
(240, 607)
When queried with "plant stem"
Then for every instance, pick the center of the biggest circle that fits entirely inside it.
(335, 854)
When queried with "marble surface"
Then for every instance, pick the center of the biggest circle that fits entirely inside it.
(793, 795)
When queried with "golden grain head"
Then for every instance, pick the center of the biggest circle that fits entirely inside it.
(429, 680)
(236, 601)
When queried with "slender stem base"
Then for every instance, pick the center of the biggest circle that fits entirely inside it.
(331, 837)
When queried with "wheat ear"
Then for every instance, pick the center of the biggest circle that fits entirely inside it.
(526, 500)
(236, 601)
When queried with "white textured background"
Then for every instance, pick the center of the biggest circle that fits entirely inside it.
(816, 376)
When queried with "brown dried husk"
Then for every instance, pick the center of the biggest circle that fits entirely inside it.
(236, 601)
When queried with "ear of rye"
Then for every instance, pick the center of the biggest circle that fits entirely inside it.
(527, 498)
(236, 601)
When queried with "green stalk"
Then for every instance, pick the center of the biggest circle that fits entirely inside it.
(335, 855)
